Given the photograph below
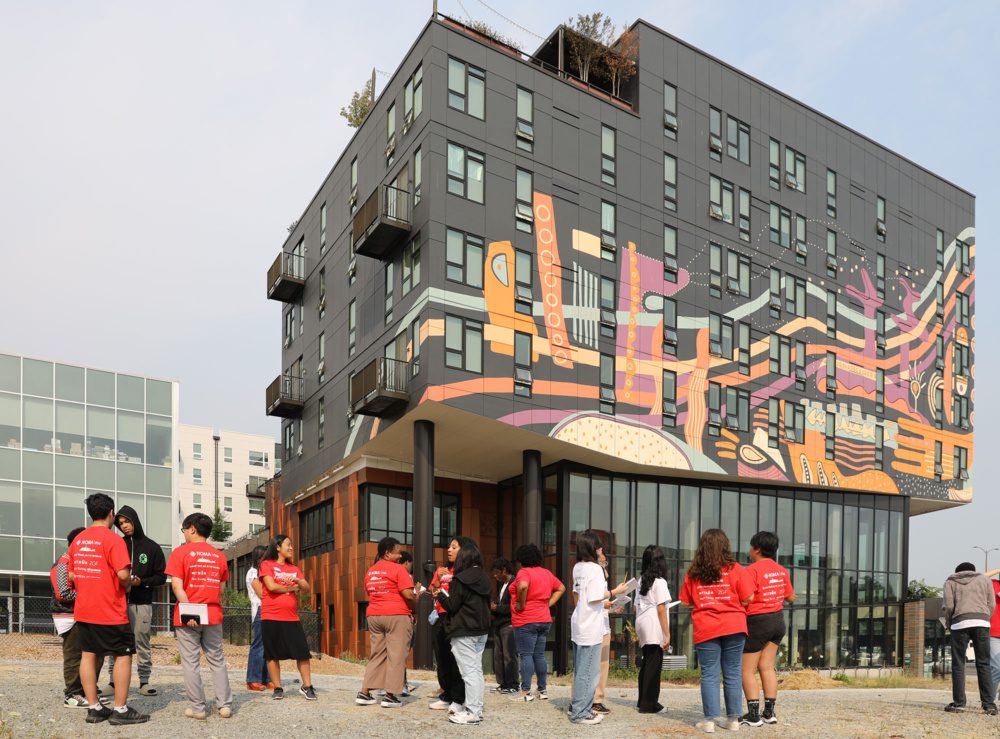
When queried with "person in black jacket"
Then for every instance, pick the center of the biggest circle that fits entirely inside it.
(467, 605)
(504, 646)
(148, 565)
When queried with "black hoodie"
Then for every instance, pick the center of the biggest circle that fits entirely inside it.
(467, 603)
(148, 563)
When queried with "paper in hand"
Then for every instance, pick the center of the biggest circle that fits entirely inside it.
(621, 601)
(631, 585)
(672, 603)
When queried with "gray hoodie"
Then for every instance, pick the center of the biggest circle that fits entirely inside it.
(968, 595)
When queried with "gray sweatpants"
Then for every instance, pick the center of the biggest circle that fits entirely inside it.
(140, 618)
(192, 641)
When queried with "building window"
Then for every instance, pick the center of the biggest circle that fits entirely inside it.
(960, 411)
(227, 500)
(737, 409)
(781, 226)
(795, 169)
(463, 344)
(413, 98)
(316, 530)
(321, 306)
(670, 122)
(227, 479)
(800, 239)
(256, 507)
(607, 404)
(289, 440)
(609, 321)
(411, 265)
(831, 253)
(831, 376)
(523, 282)
(670, 326)
(609, 231)
(352, 327)
(289, 326)
(418, 175)
(196, 500)
(302, 319)
(389, 288)
(743, 347)
(714, 409)
(715, 134)
(524, 216)
(795, 423)
(962, 309)
(196, 451)
(464, 257)
(774, 166)
(773, 419)
(322, 228)
(738, 273)
(524, 130)
(831, 435)
(414, 331)
(669, 399)
(780, 355)
(720, 199)
(879, 446)
(352, 271)
(831, 314)
(939, 352)
(387, 511)
(353, 200)
(964, 257)
(738, 139)
(800, 365)
(466, 88)
(880, 332)
(744, 206)
(609, 150)
(880, 275)
(196, 475)
(466, 169)
(880, 228)
(720, 335)
(774, 298)
(939, 406)
(938, 460)
(669, 182)
(715, 270)
(670, 254)
(961, 363)
(390, 135)
(795, 295)
(320, 421)
(522, 364)
(321, 367)
(227, 454)
(831, 193)
(940, 249)
(257, 459)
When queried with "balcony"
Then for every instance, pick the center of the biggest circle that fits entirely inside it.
(286, 278)
(284, 396)
(381, 387)
(256, 487)
(381, 222)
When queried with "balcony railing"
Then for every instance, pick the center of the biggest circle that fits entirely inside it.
(287, 277)
(382, 386)
(256, 487)
(284, 396)
(381, 222)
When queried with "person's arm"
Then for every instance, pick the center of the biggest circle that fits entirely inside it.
(503, 606)
(66, 593)
(159, 576)
(273, 587)
(125, 578)
(303, 585)
(949, 604)
(664, 616)
(557, 594)
(522, 594)
(453, 599)
(257, 587)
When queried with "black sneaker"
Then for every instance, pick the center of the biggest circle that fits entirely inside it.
(308, 692)
(278, 694)
(754, 719)
(990, 710)
(97, 715)
(600, 708)
(130, 716)
(391, 701)
(365, 699)
(954, 708)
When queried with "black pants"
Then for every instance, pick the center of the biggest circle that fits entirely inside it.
(505, 657)
(980, 638)
(649, 678)
(449, 678)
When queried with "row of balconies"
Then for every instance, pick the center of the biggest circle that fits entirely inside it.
(380, 388)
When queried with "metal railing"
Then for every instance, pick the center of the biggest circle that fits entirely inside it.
(385, 203)
(381, 375)
(286, 387)
(286, 264)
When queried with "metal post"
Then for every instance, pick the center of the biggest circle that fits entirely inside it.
(423, 541)
(215, 438)
(562, 39)
(533, 496)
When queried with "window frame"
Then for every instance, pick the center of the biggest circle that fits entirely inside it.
(458, 184)
(467, 327)
(669, 182)
(468, 73)
(609, 161)
(471, 245)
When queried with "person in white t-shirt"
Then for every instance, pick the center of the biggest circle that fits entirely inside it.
(590, 591)
(257, 677)
(652, 626)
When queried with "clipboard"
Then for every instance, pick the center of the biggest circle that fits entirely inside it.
(198, 611)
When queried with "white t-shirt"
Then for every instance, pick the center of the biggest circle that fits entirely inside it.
(587, 624)
(254, 598)
(647, 622)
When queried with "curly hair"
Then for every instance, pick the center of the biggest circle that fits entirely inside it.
(714, 555)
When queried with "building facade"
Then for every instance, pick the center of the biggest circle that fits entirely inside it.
(229, 465)
(695, 303)
(67, 431)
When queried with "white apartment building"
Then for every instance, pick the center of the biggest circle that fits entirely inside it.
(229, 464)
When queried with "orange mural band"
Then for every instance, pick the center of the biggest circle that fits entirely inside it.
(550, 274)
(633, 311)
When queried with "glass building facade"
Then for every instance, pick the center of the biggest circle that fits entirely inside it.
(67, 431)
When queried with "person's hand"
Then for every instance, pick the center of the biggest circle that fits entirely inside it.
(666, 644)
(135, 581)
(493, 606)
(618, 610)
(192, 622)
(619, 589)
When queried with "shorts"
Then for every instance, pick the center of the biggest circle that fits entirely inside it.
(116, 640)
(284, 640)
(763, 628)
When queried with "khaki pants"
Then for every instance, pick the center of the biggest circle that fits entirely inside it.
(140, 618)
(192, 641)
(602, 684)
(390, 643)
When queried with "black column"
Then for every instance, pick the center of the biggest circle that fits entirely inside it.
(533, 497)
(423, 541)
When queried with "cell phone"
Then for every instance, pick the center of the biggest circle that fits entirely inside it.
(191, 617)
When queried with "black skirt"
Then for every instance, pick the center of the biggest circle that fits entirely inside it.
(284, 640)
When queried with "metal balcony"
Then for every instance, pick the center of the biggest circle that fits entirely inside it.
(284, 396)
(286, 278)
(256, 487)
(381, 387)
(382, 222)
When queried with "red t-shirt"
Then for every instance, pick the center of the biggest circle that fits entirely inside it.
(202, 569)
(384, 582)
(541, 585)
(442, 579)
(96, 556)
(770, 584)
(995, 618)
(279, 606)
(717, 610)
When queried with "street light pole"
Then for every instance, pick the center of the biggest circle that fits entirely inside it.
(986, 554)
(215, 438)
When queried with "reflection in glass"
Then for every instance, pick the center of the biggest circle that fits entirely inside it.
(70, 510)
(10, 508)
(37, 378)
(131, 436)
(667, 523)
(709, 509)
(158, 440)
(10, 421)
(69, 382)
(70, 429)
(37, 555)
(100, 387)
(100, 432)
(37, 424)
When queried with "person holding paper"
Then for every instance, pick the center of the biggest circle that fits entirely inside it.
(257, 677)
(602, 682)
(652, 626)
(283, 634)
(452, 696)
(198, 572)
(536, 590)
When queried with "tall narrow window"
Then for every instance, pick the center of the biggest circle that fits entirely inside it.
(669, 399)
(879, 446)
(800, 239)
(607, 399)
(831, 193)
(669, 182)
(795, 295)
(466, 171)
(464, 257)
(321, 306)
(418, 168)
(720, 335)
(831, 435)
(522, 364)
(322, 228)
(938, 460)
(795, 169)
(795, 423)
(524, 130)
(389, 289)
(774, 299)
(962, 314)
(720, 199)
(466, 88)
(608, 321)
(800, 365)
(321, 366)
(609, 150)
(715, 270)
(831, 253)
(879, 390)
(289, 326)
(413, 98)
(744, 214)
(670, 122)
(411, 265)
(523, 282)
(320, 421)
(609, 231)
(774, 165)
(715, 134)
(773, 419)
(963, 256)
(780, 355)
(831, 314)
(831, 376)
(880, 227)
(737, 409)
(669, 253)
(880, 275)
(880, 333)
(390, 135)
(714, 409)
(670, 326)
(463, 344)
(940, 248)
(939, 406)
(354, 185)
(939, 352)
(352, 327)
(524, 216)
(743, 347)
(738, 139)
(738, 273)
(781, 226)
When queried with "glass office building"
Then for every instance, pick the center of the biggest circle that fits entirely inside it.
(67, 431)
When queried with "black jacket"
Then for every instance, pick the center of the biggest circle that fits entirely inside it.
(148, 563)
(467, 604)
(501, 616)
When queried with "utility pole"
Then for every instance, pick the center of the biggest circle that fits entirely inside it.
(215, 438)
(986, 553)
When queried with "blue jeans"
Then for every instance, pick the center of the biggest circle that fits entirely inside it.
(725, 652)
(530, 640)
(468, 651)
(256, 667)
(995, 663)
(586, 675)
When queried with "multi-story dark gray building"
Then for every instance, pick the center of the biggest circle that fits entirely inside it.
(520, 306)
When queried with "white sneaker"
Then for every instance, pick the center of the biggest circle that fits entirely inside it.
(438, 705)
(456, 708)
(520, 697)
(464, 717)
(707, 725)
(542, 695)
(594, 718)
(728, 724)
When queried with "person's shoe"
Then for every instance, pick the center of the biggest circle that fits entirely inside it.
(594, 718)
(365, 699)
(659, 708)
(255, 686)
(519, 697)
(455, 707)
(108, 691)
(97, 715)
(278, 694)
(146, 689)
(196, 715)
(408, 689)
(953, 708)
(769, 717)
(752, 719)
(707, 725)
(438, 705)
(308, 692)
(600, 708)
(509, 691)
(542, 695)
(391, 701)
(465, 718)
(129, 716)
(990, 710)
(730, 723)
(76, 701)
(225, 712)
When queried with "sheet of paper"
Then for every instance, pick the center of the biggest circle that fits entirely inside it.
(673, 603)
(631, 585)
(621, 601)
(195, 609)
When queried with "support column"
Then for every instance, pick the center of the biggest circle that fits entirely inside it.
(533, 497)
(423, 522)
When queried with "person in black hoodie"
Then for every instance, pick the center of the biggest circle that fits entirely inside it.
(505, 662)
(148, 565)
(467, 606)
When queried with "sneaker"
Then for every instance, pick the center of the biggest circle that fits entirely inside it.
(730, 723)
(129, 716)
(769, 717)
(707, 725)
(751, 719)
(225, 712)
(594, 718)
(97, 715)
(391, 701)
(438, 705)
(255, 686)
(600, 708)
(953, 708)
(146, 689)
(455, 708)
(658, 708)
(76, 701)
(465, 718)
(381, 693)
(990, 710)
(519, 697)
(542, 695)
(509, 691)
(408, 689)
(308, 692)
(196, 715)
(364, 699)
(278, 694)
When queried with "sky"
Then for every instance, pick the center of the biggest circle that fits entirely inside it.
(152, 156)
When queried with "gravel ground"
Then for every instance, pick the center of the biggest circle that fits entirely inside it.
(30, 706)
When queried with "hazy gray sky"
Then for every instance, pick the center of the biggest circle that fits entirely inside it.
(153, 154)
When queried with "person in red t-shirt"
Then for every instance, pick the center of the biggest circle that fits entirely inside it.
(713, 587)
(198, 572)
(769, 585)
(390, 604)
(101, 572)
(995, 632)
(279, 615)
(536, 590)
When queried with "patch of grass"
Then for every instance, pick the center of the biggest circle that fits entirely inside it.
(349, 657)
(630, 676)
(177, 659)
(894, 681)
(842, 678)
